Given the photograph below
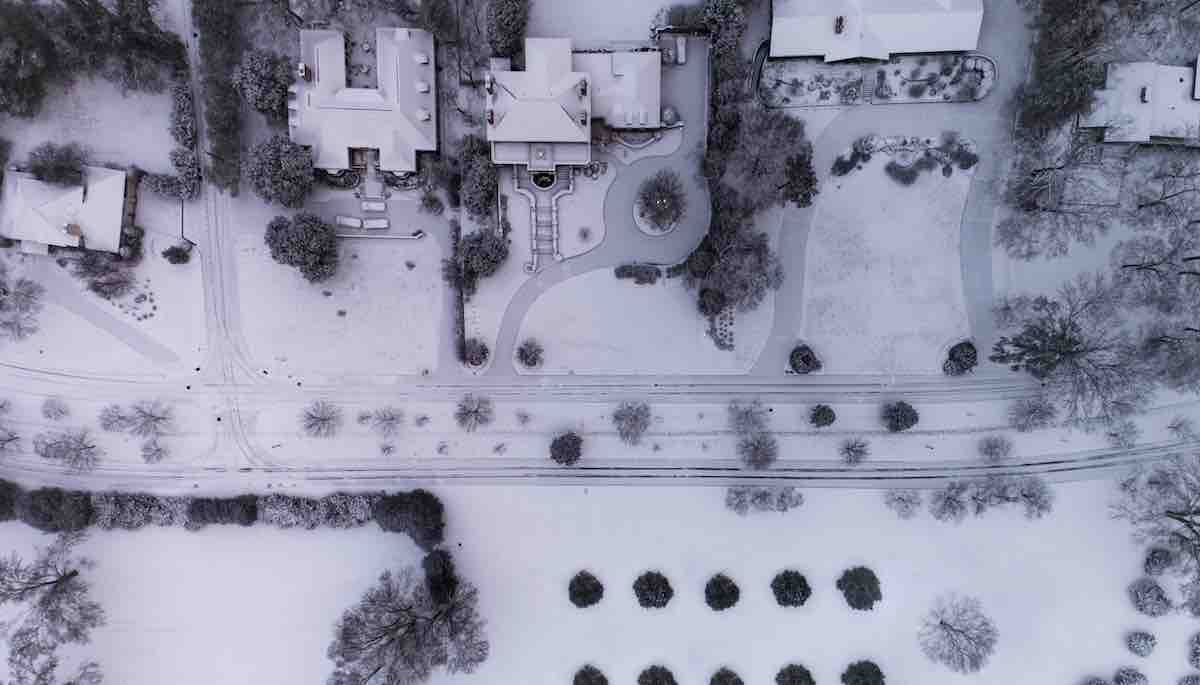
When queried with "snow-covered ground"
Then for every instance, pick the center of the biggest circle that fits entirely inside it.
(581, 214)
(258, 605)
(883, 277)
(379, 316)
(586, 21)
(595, 323)
(115, 128)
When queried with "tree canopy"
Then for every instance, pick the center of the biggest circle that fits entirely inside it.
(305, 242)
(280, 171)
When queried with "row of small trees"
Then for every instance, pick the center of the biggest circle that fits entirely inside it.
(857, 673)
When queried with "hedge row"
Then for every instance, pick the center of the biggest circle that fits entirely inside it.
(419, 514)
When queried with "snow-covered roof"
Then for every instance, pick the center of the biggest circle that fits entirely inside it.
(398, 118)
(542, 104)
(873, 29)
(1168, 109)
(36, 212)
(626, 86)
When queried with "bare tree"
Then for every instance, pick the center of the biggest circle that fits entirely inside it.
(113, 419)
(1159, 271)
(10, 441)
(747, 419)
(632, 420)
(386, 421)
(906, 503)
(758, 450)
(74, 447)
(150, 419)
(1075, 344)
(153, 451)
(473, 411)
(398, 634)
(56, 610)
(321, 419)
(958, 634)
(1162, 501)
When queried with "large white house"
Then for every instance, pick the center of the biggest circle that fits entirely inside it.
(1145, 102)
(398, 118)
(40, 214)
(542, 117)
(874, 29)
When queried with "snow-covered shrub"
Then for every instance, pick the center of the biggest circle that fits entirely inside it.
(862, 673)
(241, 511)
(1189, 679)
(1094, 680)
(744, 499)
(475, 352)
(530, 354)
(585, 589)
(758, 451)
(803, 360)
(472, 412)
(960, 359)
(822, 415)
(154, 451)
(55, 409)
(1149, 598)
(899, 416)
(285, 511)
(632, 420)
(994, 448)
(656, 675)
(344, 510)
(860, 587)
(1194, 651)
(132, 511)
(1032, 413)
(589, 675)
(726, 676)
(790, 588)
(854, 450)
(566, 448)
(721, 592)
(653, 590)
(419, 514)
(1158, 560)
(183, 116)
(1128, 675)
(1140, 642)
(321, 419)
(905, 503)
(794, 674)
(958, 634)
(747, 419)
(386, 421)
(949, 503)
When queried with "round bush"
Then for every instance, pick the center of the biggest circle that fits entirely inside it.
(1128, 675)
(1140, 642)
(862, 673)
(804, 360)
(794, 674)
(653, 590)
(854, 450)
(1149, 598)
(1158, 560)
(791, 588)
(860, 587)
(726, 677)
(585, 590)
(822, 415)
(961, 359)
(661, 201)
(721, 593)
(530, 354)
(475, 352)
(899, 416)
(589, 675)
(566, 449)
(994, 448)
(656, 675)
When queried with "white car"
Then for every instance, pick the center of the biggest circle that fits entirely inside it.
(349, 221)
(374, 206)
(376, 224)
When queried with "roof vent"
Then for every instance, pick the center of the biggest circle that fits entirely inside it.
(421, 58)
(422, 86)
(423, 114)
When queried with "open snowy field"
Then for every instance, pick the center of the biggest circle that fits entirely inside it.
(379, 316)
(883, 277)
(114, 127)
(588, 21)
(595, 323)
(258, 605)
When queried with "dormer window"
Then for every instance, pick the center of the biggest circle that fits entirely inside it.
(839, 25)
(583, 88)
(491, 117)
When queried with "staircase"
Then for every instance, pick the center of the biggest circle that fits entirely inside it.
(543, 214)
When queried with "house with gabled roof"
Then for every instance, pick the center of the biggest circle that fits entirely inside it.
(40, 215)
(541, 117)
(395, 120)
(873, 29)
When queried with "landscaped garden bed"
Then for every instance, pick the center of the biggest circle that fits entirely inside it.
(927, 78)
(810, 82)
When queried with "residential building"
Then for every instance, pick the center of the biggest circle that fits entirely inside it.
(542, 117)
(40, 214)
(391, 122)
(873, 29)
(1145, 102)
